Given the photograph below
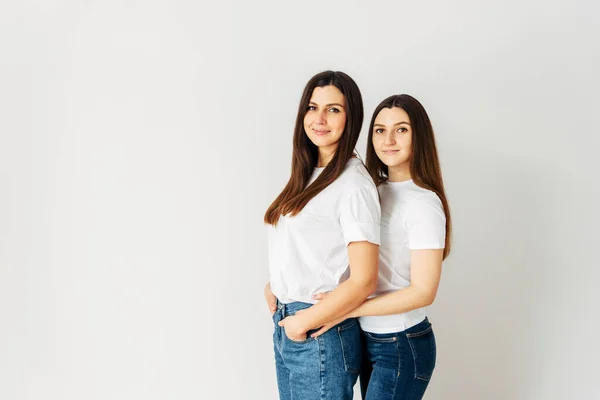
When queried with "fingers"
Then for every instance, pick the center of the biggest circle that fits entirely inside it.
(321, 331)
(320, 296)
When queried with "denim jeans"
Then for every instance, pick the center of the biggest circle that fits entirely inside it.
(325, 368)
(398, 366)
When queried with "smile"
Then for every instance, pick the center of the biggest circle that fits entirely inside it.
(320, 132)
(390, 151)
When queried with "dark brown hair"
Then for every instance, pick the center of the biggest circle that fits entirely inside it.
(296, 195)
(424, 162)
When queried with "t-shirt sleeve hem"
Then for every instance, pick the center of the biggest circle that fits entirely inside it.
(362, 232)
(430, 246)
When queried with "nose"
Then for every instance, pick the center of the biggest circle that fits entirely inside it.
(320, 118)
(389, 139)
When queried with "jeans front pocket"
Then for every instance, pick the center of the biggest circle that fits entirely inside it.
(422, 346)
(307, 340)
(349, 334)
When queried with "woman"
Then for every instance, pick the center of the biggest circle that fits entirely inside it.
(415, 238)
(415, 234)
(323, 236)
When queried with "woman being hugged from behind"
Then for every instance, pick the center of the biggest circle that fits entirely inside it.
(324, 232)
(415, 237)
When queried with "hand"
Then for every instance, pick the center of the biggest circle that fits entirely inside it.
(320, 296)
(294, 327)
(270, 298)
(328, 326)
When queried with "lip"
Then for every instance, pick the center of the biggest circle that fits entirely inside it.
(320, 132)
(390, 151)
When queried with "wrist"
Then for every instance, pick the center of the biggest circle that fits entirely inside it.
(353, 314)
(304, 321)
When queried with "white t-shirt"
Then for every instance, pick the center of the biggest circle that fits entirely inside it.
(412, 218)
(308, 252)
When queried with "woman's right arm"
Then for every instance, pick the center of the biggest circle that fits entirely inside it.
(270, 298)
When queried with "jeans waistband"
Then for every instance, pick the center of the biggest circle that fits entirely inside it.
(291, 308)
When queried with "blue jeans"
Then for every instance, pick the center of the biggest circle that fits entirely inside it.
(398, 366)
(325, 368)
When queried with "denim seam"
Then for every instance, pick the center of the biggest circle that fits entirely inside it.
(399, 369)
(417, 334)
(391, 339)
(414, 356)
(300, 341)
(347, 365)
(349, 324)
(342, 345)
(322, 365)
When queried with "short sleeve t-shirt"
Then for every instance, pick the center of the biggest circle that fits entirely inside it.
(412, 218)
(308, 252)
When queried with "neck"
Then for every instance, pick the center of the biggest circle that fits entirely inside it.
(399, 173)
(325, 155)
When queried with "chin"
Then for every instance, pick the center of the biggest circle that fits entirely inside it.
(390, 162)
(322, 142)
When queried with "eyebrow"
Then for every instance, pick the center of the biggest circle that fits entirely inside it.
(327, 105)
(397, 123)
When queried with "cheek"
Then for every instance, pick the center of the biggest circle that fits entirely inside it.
(306, 120)
(408, 148)
(340, 122)
(375, 142)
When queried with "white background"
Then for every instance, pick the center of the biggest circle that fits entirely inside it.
(142, 141)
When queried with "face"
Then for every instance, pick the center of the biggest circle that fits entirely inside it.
(325, 117)
(392, 138)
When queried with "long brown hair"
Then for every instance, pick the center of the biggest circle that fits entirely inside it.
(424, 162)
(296, 195)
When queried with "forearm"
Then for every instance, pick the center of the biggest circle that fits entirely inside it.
(397, 302)
(345, 298)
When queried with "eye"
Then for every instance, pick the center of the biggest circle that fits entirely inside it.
(402, 130)
(334, 110)
(379, 130)
(311, 108)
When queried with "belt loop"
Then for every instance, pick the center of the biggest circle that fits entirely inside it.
(281, 307)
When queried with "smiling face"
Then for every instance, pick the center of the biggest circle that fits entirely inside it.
(392, 140)
(325, 118)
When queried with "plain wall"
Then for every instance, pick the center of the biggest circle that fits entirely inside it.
(142, 141)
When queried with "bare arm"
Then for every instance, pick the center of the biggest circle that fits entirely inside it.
(270, 298)
(363, 258)
(425, 270)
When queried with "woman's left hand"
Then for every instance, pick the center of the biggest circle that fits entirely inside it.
(294, 328)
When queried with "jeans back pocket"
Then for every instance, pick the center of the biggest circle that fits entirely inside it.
(422, 346)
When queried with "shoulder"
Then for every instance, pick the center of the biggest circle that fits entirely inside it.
(418, 195)
(424, 202)
(356, 178)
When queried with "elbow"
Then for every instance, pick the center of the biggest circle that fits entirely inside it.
(427, 301)
(428, 298)
(366, 287)
(370, 286)
(423, 296)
